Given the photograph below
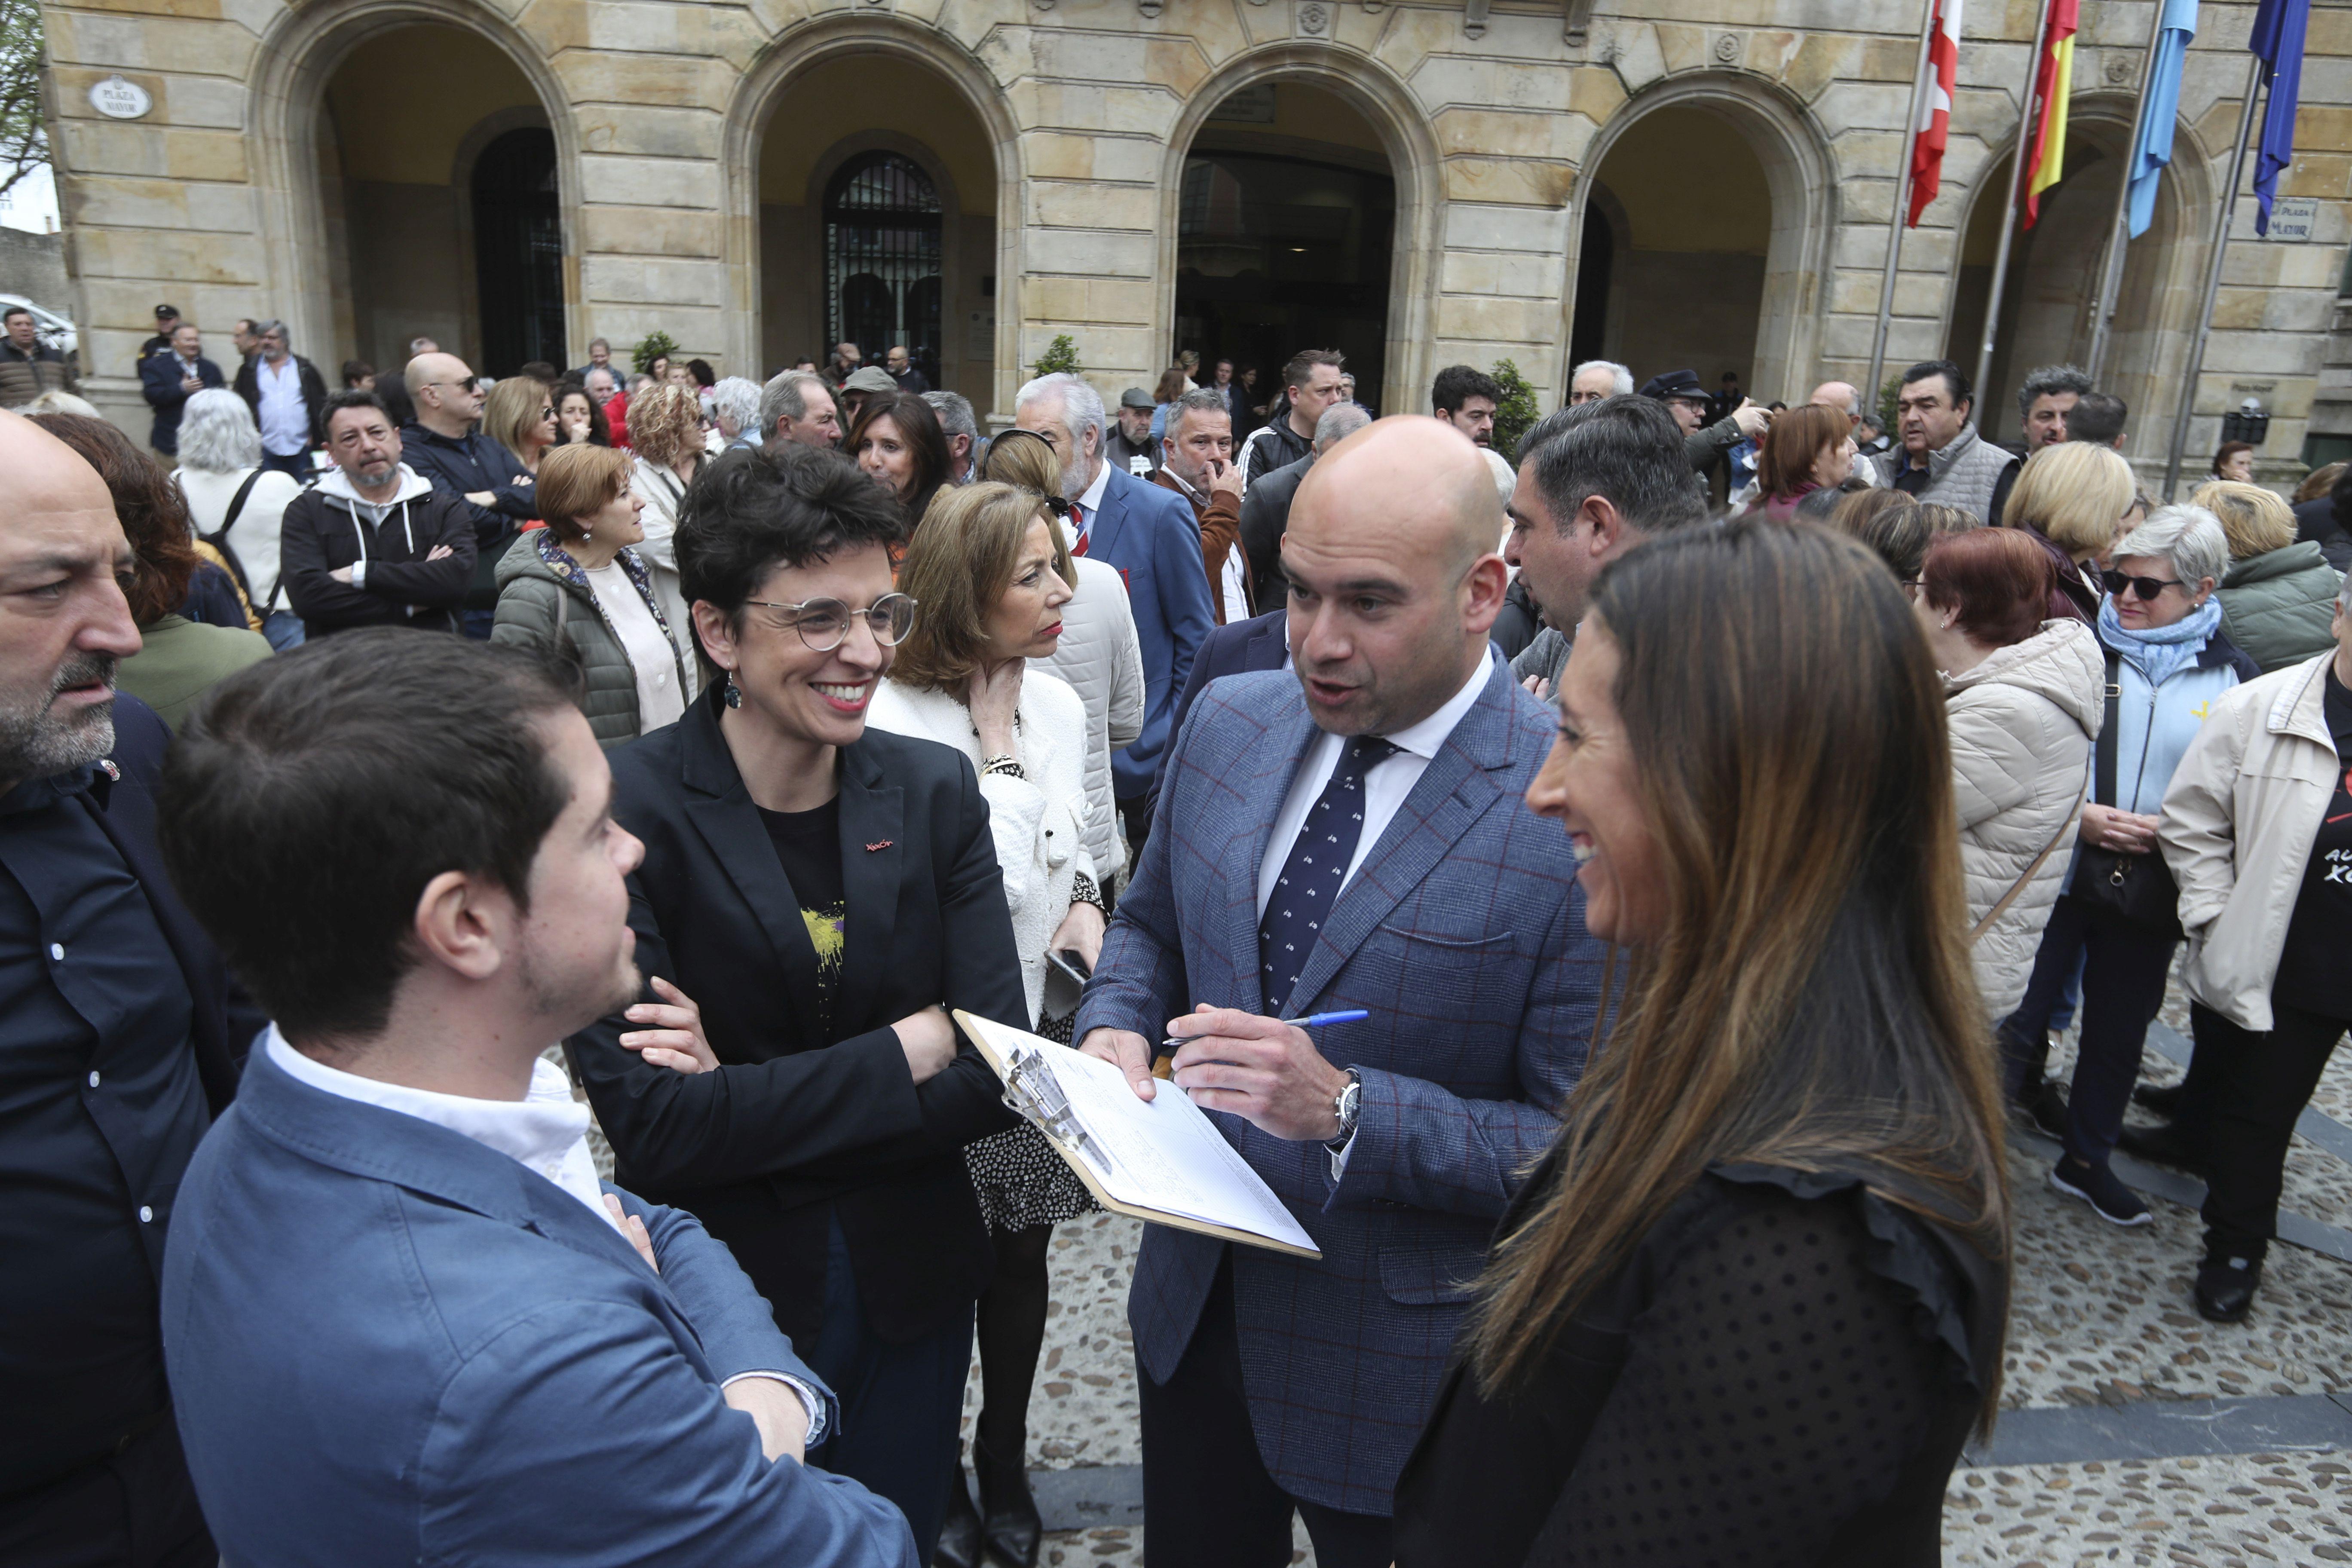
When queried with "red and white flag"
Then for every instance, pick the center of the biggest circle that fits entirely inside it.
(1935, 127)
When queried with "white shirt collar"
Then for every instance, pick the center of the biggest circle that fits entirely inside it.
(1423, 738)
(546, 1130)
(1092, 500)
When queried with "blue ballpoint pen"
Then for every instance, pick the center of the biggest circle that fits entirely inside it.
(1312, 1021)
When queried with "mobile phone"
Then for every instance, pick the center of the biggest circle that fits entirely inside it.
(1072, 962)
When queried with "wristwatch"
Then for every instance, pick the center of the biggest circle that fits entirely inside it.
(1347, 1105)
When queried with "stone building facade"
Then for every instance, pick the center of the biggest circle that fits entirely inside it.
(1668, 183)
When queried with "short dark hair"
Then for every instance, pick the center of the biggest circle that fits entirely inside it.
(1458, 384)
(356, 371)
(312, 796)
(782, 504)
(352, 397)
(1302, 365)
(13, 311)
(2045, 380)
(2097, 417)
(1628, 450)
(1955, 381)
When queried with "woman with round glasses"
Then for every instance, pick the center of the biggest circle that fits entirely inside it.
(2161, 629)
(994, 574)
(815, 897)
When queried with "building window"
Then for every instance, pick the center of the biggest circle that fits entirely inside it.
(519, 252)
(882, 259)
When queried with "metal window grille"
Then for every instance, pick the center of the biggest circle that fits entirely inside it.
(882, 225)
(518, 251)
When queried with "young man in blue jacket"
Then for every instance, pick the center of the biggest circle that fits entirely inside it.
(404, 1319)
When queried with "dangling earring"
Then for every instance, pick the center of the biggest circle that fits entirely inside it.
(733, 695)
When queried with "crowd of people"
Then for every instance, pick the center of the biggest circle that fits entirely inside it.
(768, 725)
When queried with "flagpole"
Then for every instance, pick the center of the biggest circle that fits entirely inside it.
(2111, 274)
(2016, 189)
(1902, 208)
(2227, 204)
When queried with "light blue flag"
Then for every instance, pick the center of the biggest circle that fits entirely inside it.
(2153, 149)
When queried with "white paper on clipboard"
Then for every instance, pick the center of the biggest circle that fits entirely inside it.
(1163, 1155)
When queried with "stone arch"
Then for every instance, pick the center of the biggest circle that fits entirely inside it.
(2157, 304)
(296, 57)
(1794, 152)
(1396, 116)
(755, 100)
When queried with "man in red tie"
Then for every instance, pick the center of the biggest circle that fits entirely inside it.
(1149, 535)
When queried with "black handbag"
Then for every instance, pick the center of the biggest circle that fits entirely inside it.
(2136, 889)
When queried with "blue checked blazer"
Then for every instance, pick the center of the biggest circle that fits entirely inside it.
(1463, 932)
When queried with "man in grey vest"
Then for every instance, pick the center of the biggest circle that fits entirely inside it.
(1941, 457)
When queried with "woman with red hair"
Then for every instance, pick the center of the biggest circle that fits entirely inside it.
(2023, 696)
(1807, 449)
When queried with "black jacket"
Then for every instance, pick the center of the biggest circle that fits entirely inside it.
(1519, 621)
(468, 465)
(314, 393)
(159, 382)
(323, 531)
(1273, 444)
(797, 1128)
(1266, 513)
(2315, 521)
(25, 376)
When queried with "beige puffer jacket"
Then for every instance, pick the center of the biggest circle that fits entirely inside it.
(2022, 723)
(2239, 818)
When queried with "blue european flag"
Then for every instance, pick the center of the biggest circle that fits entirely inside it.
(2277, 41)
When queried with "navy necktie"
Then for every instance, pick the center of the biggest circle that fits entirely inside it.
(1311, 878)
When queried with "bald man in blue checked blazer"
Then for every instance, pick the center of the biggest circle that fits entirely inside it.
(1350, 834)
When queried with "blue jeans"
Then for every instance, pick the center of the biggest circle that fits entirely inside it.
(296, 464)
(283, 629)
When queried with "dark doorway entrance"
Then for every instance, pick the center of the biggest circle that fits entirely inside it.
(1275, 255)
(882, 259)
(519, 252)
(1596, 261)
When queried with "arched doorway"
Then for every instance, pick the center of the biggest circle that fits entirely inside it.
(1286, 228)
(1713, 200)
(440, 224)
(887, 235)
(2054, 277)
(1683, 208)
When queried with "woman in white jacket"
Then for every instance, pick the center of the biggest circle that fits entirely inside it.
(2024, 699)
(230, 494)
(990, 574)
(1098, 652)
(2258, 832)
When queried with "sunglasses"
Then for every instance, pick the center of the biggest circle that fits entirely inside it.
(469, 384)
(2148, 588)
(825, 622)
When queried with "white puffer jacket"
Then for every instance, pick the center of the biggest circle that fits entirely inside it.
(1102, 659)
(2021, 722)
(1039, 821)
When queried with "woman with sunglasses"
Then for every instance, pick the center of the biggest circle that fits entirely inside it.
(520, 415)
(2161, 629)
(815, 897)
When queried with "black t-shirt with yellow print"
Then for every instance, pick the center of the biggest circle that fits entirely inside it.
(808, 843)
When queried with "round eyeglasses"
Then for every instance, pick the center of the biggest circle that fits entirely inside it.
(823, 623)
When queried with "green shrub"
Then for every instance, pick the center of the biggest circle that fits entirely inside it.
(1060, 358)
(1516, 412)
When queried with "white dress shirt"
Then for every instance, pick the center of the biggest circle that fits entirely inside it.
(546, 1132)
(285, 422)
(1091, 502)
(1386, 782)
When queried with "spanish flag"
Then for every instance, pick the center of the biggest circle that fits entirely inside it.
(2054, 83)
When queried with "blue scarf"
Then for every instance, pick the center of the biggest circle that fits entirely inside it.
(2160, 653)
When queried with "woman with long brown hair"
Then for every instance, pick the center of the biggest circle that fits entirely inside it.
(897, 442)
(1751, 1305)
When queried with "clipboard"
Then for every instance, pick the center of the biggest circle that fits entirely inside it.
(1026, 1064)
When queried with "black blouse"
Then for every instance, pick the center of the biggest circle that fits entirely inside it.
(1784, 1373)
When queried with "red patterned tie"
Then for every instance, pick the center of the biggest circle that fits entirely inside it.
(1078, 522)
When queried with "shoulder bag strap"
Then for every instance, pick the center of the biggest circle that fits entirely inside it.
(2104, 752)
(236, 506)
(2025, 877)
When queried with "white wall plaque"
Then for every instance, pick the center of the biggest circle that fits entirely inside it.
(2292, 217)
(120, 99)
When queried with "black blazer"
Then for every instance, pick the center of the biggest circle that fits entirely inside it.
(1266, 513)
(797, 1129)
